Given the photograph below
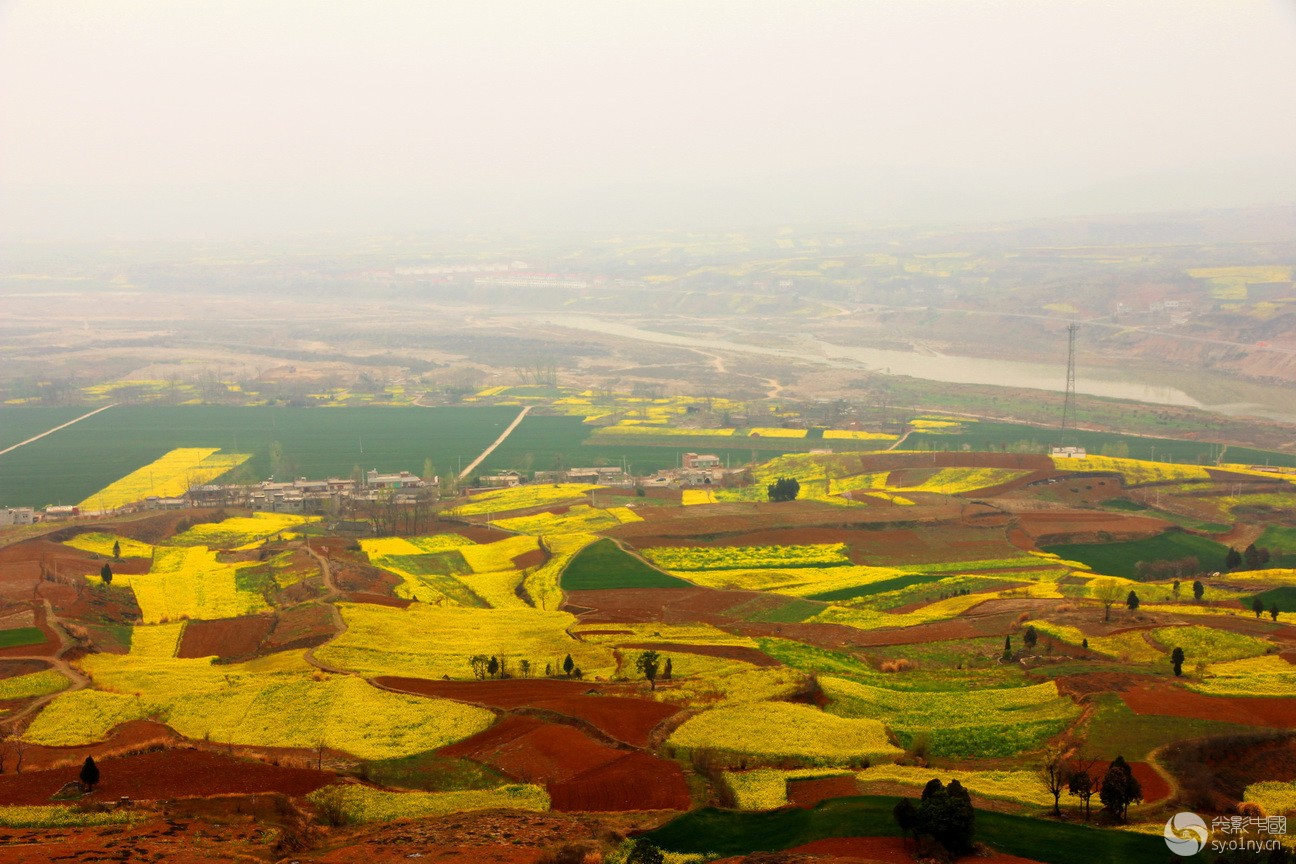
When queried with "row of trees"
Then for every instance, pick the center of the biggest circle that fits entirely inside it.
(490, 666)
(1250, 558)
(1116, 788)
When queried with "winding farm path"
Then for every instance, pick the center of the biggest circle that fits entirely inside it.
(55, 429)
(79, 680)
(331, 593)
(498, 441)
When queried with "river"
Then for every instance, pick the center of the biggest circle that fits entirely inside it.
(1136, 384)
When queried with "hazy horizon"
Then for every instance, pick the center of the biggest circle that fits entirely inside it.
(236, 119)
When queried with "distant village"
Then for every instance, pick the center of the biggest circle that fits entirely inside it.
(334, 496)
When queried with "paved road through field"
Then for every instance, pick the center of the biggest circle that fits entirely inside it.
(56, 428)
(498, 441)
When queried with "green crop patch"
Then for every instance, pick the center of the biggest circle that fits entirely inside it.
(77, 461)
(21, 636)
(728, 832)
(604, 565)
(878, 587)
(1121, 559)
(1284, 598)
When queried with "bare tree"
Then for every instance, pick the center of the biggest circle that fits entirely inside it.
(1055, 773)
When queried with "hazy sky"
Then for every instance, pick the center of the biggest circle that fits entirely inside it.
(180, 118)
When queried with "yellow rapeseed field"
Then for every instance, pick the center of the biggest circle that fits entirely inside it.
(239, 530)
(522, 497)
(33, 684)
(432, 641)
(1276, 797)
(156, 640)
(775, 432)
(858, 435)
(1269, 675)
(579, 519)
(542, 583)
(189, 583)
(781, 729)
(102, 544)
(1024, 787)
(167, 476)
(766, 788)
(276, 701)
(493, 557)
(691, 497)
(1134, 471)
(362, 804)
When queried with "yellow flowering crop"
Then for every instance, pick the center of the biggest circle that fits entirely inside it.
(740, 684)
(928, 425)
(1024, 787)
(693, 634)
(998, 721)
(1134, 471)
(1269, 675)
(522, 497)
(102, 544)
(956, 481)
(189, 583)
(378, 547)
(156, 640)
(858, 435)
(868, 619)
(674, 431)
(493, 557)
(687, 558)
(431, 641)
(366, 804)
(34, 684)
(542, 583)
(274, 701)
(167, 476)
(1210, 644)
(56, 816)
(766, 788)
(782, 729)
(239, 530)
(1275, 796)
(580, 518)
(690, 497)
(775, 432)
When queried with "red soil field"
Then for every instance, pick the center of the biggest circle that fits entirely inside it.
(1168, 700)
(166, 774)
(14, 668)
(48, 648)
(579, 772)
(809, 792)
(625, 719)
(1154, 786)
(135, 735)
(302, 626)
(534, 558)
(675, 528)
(667, 605)
(1045, 526)
(227, 637)
(635, 781)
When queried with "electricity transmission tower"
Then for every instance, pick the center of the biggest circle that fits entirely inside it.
(1068, 405)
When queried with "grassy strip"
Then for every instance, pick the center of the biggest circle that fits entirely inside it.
(877, 587)
(1119, 559)
(606, 565)
(21, 636)
(727, 832)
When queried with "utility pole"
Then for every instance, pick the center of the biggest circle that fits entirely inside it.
(1068, 405)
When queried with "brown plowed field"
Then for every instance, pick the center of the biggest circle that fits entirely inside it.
(48, 648)
(809, 792)
(727, 652)
(14, 668)
(166, 774)
(579, 772)
(672, 528)
(668, 605)
(1079, 686)
(301, 626)
(135, 735)
(625, 719)
(1169, 701)
(1045, 526)
(635, 781)
(227, 637)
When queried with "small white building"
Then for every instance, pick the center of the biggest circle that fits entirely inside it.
(17, 516)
